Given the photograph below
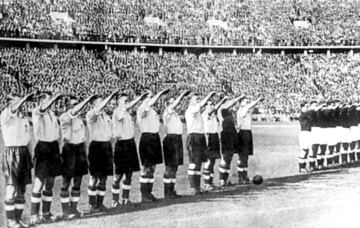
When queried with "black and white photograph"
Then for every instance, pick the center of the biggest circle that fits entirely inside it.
(179, 113)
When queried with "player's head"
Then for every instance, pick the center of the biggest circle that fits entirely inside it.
(244, 102)
(122, 98)
(112, 104)
(96, 100)
(194, 99)
(313, 104)
(304, 106)
(209, 106)
(171, 101)
(12, 98)
(73, 100)
(45, 96)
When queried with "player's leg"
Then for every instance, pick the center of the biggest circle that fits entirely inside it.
(206, 173)
(173, 183)
(47, 197)
(224, 169)
(352, 152)
(344, 153)
(126, 187)
(10, 205)
(20, 205)
(92, 192)
(302, 160)
(357, 151)
(75, 195)
(115, 189)
(36, 200)
(304, 150)
(167, 181)
(101, 190)
(321, 155)
(146, 183)
(65, 198)
(243, 169)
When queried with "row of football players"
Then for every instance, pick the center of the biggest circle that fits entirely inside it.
(329, 135)
(203, 145)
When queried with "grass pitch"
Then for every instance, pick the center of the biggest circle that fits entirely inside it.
(275, 155)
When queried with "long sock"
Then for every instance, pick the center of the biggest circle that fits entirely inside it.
(47, 199)
(19, 207)
(126, 190)
(115, 192)
(101, 189)
(10, 209)
(92, 195)
(74, 199)
(206, 176)
(35, 203)
(65, 201)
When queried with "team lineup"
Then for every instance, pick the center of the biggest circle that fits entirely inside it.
(212, 133)
(329, 135)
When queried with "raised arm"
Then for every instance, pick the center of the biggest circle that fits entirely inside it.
(179, 98)
(47, 104)
(233, 102)
(154, 99)
(254, 103)
(131, 104)
(205, 99)
(218, 105)
(105, 102)
(15, 107)
(75, 110)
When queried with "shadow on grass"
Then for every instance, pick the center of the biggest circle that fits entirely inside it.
(224, 192)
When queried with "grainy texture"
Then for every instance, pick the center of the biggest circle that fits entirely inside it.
(309, 200)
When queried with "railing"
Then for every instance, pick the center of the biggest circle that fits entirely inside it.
(4, 41)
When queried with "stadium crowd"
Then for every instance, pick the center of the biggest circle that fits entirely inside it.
(284, 80)
(220, 22)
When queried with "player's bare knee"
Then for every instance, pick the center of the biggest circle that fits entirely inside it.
(116, 179)
(93, 181)
(38, 185)
(10, 193)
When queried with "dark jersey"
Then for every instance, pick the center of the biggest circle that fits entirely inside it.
(336, 117)
(305, 121)
(357, 119)
(343, 118)
(228, 123)
(321, 119)
(352, 116)
(329, 118)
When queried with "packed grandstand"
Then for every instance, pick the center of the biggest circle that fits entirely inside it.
(283, 79)
(214, 22)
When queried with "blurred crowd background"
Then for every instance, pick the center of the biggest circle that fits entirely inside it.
(197, 22)
(283, 80)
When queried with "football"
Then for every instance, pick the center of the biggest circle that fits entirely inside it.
(257, 179)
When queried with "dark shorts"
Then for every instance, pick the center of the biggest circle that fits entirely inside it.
(150, 149)
(213, 146)
(74, 160)
(245, 142)
(126, 158)
(196, 147)
(17, 165)
(173, 150)
(100, 159)
(228, 144)
(47, 159)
